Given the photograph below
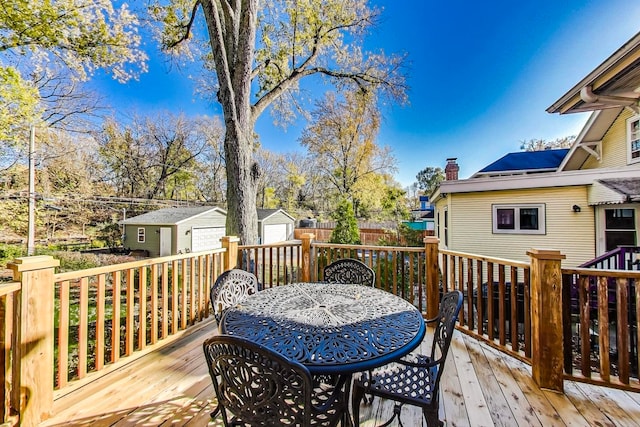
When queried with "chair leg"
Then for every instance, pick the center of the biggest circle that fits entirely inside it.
(356, 397)
(397, 409)
(215, 411)
(431, 417)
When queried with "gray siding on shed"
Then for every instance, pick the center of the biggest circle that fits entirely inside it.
(181, 230)
(268, 217)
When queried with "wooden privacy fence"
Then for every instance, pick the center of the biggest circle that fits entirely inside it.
(62, 330)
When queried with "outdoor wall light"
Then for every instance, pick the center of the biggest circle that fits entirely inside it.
(187, 232)
(576, 208)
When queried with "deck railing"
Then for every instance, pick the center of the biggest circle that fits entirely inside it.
(71, 326)
(105, 313)
(497, 302)
(274, 265)
(398, 270)
(620, 258)
(601, 328)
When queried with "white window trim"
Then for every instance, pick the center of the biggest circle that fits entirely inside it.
(141, 234)
(541, 218)
(628, 139)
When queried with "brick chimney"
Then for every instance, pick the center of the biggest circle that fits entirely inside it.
(451, 170)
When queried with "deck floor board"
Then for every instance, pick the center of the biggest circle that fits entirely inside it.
(170, 386)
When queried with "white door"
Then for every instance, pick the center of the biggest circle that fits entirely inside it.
(274, 233)
(165, 241)
(206, 238)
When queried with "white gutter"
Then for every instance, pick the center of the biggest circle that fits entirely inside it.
(587, 95)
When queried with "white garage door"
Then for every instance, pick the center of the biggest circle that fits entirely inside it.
(206, 238)
(274, 233)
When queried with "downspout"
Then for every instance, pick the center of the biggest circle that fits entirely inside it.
(587, 95)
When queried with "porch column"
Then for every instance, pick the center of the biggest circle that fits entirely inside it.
(32, 391)
(230, 257)
(432, 275)
(547, 362)
(306, 238)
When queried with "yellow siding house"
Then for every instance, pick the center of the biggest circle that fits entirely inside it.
(584, 201)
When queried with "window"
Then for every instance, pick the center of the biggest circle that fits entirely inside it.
(141, 235)
(519, 219)
(620, 228)
(633, 139)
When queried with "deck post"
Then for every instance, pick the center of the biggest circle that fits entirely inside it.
(306, 238)
(32, 388)
(547, 355)
(432, 275)
(230, 257)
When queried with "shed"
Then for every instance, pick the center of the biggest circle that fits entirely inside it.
(274, 225)
(172, 231)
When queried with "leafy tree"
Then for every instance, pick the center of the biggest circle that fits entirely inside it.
(341, 141)
(346, 231)
(429, 178)
(42, 43)
(259, 53)
(154, 158)
(542, 144)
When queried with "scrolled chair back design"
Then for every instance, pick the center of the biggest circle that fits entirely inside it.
(260, 387)
(350, 271)
(230, 288)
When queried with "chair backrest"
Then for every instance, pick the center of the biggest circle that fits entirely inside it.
(256, 384)
(349, 270)
(230, 288)
(445, 325)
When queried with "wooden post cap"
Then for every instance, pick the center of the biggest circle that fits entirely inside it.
(31, 263)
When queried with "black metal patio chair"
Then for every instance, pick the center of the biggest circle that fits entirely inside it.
(414, 379)
(258, 387)
(349, 270)
(230, 288)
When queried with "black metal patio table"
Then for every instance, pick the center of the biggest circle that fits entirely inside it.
(329, 328)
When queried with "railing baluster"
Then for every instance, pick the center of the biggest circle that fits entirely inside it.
(501, 301)
(142, 308)
(100, 315)
(622, 329)
(603, 328)
(130, 320)
(192, 291)
(184, 291)
(83, 329)
(175, 294)
(116, 285)
(165, 300)
(154, 304)
(63, 335)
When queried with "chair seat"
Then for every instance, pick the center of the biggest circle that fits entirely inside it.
(415, 379)
(410, 384)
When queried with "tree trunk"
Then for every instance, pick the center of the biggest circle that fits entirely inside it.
(232, 33)
(242, 179)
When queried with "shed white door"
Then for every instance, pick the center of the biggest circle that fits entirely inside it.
(206, 238)
(274, 233)
(165, 241)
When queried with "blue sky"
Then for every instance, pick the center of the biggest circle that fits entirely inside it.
(481, 75)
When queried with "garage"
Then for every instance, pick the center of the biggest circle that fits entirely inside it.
(274, 233)
(206, 238)
(274, 225)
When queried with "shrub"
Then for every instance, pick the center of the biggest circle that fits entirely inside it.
(346, 230)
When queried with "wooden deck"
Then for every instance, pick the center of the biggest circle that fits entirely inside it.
(170, 386)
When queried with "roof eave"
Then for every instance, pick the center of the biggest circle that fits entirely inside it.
(597, 78)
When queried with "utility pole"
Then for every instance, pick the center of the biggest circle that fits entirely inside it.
(31, 237)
